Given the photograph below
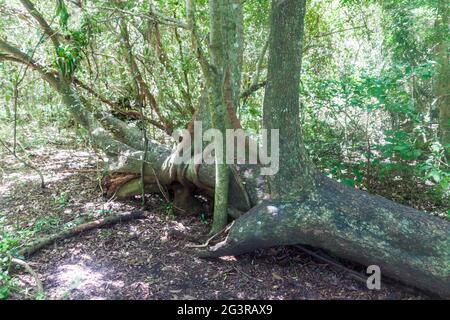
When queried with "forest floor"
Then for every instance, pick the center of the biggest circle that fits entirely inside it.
(148, 258)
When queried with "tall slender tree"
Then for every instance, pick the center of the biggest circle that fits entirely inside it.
(442, 86)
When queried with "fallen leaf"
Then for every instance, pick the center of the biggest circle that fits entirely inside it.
(276, 276)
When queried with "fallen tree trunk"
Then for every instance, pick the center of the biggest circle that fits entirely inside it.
(406, 244)
(43, 242)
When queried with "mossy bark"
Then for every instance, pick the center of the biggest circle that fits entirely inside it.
(281, 100)
(225, 52)
(406, 244)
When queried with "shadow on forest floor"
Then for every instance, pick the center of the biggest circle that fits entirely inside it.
(148, 258)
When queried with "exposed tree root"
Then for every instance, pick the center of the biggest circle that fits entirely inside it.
(355, 275)
(408, 245)
(206, 244)
(26, 266)
(43, 242)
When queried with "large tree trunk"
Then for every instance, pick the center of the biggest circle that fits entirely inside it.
(309, 209)
(281, 99)
(406, 244)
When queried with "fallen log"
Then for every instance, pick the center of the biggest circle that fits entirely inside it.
(100, 223)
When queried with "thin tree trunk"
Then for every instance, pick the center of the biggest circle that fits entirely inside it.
(225, 77)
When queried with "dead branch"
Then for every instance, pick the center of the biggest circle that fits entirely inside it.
(100, 223)
(355, 275)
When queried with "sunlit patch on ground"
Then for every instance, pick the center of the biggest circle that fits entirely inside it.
(71, 278)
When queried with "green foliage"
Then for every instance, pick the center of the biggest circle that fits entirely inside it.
(435, 168)
(46, 224)
(6, 285)
(61, 200)
(399, 146)
(203, 218)
(62, 13)
(169, 210)
(9, 242)
(69, 55)
(67, 58)
(366, 126)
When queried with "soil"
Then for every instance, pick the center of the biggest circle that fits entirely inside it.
(149, 258)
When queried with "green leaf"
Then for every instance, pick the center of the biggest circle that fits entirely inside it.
(61, 11)
(436, 175)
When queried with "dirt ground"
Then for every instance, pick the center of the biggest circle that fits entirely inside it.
(148, 258)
